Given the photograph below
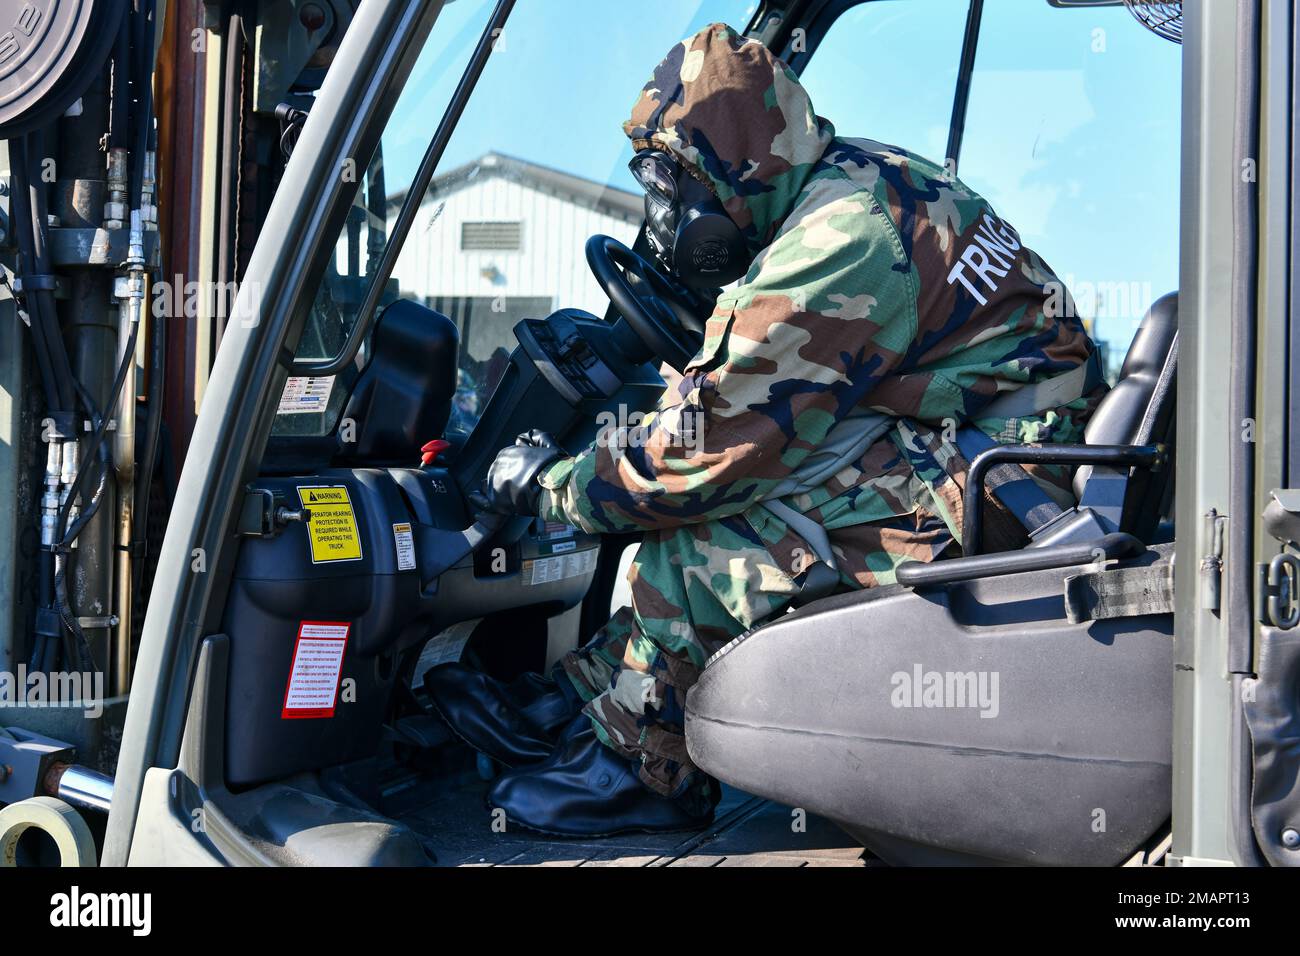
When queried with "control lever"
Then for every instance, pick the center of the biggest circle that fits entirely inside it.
(440, 550)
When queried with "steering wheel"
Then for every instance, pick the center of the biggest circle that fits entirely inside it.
(664, 315)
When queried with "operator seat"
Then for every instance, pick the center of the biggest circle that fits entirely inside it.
(1139, 410)
(975, 716)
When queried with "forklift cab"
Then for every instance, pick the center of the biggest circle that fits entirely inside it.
(1038, 706)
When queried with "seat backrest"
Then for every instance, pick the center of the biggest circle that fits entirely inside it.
(1139, 410)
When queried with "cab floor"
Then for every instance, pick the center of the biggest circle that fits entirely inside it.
(747, 831)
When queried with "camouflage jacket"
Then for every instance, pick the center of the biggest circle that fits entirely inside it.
(880, 282)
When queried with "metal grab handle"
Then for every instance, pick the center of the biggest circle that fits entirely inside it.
(1139, 456)
(917, 574)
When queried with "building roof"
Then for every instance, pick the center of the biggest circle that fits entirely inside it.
(576, 189)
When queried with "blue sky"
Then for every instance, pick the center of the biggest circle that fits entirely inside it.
(1072, 133)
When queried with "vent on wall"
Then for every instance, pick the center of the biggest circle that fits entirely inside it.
(491, 236)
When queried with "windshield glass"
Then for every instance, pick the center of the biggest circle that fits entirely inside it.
(536, 165)
(311, 404)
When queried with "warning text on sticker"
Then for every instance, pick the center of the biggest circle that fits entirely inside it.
(316, 669)
(332, 526)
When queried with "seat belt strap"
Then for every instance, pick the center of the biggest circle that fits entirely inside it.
(823, 576)
(1120, 592)
(1010, 484)
(806, 528)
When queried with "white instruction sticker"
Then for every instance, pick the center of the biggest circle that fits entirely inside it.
(559, 567)
(443, 647)
(316, 669)
(304, 394)
(405, 544)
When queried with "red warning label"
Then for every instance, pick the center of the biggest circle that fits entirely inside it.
(317, 666)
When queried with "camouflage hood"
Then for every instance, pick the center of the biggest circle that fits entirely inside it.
(739, 119)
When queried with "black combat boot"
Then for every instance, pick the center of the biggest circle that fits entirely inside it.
(585, 789)
(516, 724)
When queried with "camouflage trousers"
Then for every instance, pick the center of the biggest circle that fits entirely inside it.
(694, 589)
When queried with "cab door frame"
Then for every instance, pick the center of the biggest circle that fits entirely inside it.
(375, 58)
(1238, 64)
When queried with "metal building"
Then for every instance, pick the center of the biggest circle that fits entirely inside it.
(500, 239)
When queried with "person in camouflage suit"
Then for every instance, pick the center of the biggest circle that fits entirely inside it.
(879, 284)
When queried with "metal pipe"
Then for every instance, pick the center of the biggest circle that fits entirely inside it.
(129, 314)
(131, 290)
(92, 331)
(1138, 456)
(124, 589)
(80, 786)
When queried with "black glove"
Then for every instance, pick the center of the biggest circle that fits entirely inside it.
(511, 487)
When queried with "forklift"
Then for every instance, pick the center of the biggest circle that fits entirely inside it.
(231, 334)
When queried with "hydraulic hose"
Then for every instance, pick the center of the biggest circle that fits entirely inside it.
(149, 456)
(79, 649)
(21, 219)
(96, 444)
(41, 654)
(119, 133)
(44, 298)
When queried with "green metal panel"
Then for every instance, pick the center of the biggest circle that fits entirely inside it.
(1234, 277)
(1202, 688)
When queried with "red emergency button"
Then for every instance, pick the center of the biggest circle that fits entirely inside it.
(432, 449)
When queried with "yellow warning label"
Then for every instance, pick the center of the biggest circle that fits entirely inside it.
(333, 526)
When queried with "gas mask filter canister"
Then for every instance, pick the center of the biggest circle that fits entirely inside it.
(688, 227)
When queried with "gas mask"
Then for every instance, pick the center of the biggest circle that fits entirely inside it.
(688, 228)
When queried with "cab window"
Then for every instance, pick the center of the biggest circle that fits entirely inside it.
(537, 164)
(310, 405)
